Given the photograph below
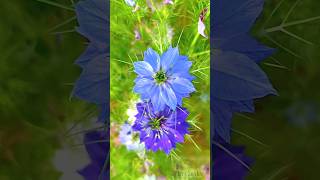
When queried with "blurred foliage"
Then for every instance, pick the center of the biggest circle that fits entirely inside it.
(36, 76)
(289, 149)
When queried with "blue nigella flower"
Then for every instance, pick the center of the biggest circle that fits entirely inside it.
(161, 130)
(92, 85)
(127, 138)
(163, 80)
(97, 146)
(236, 78)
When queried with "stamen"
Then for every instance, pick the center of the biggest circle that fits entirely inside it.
(160, 77)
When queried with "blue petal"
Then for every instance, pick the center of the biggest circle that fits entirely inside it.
(165, 143)
(179, 99)
(182, 86)
(175, 135)
(92, 84)
(156, 98)
(222, 116)
(98, 153)
(168, 58)
(222, 112)
(233, 17)
(242, 106)
(92, 16)
(152, 58)
(185, 75)
(229, 162)
(91, 52)
(236, 78)
(180, 66)
(143, 85)
(169, 96)
(245, 44)
(143, 68)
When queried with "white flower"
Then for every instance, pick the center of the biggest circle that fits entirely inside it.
(132, 111)
(131, 3)
(69, 160)
(126, 138)
(201, 25)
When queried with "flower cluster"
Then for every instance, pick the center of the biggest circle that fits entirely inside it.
(162, 83)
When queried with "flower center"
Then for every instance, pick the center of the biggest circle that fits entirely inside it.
(160, 77)
(156, 123)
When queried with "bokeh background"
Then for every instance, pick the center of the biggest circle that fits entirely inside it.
(36, 79)
(283, 136)
(38, 46)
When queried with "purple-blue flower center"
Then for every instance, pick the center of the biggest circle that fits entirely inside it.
(160, 77)
(155, 123)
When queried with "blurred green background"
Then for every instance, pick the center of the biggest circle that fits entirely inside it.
(37, 72)
(36, 77)
(287, 127)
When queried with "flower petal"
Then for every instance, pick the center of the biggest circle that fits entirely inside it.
(169, 96)
(152, 58)
(181, 65)
(168, 58)
(93, 20)
(237, 77)
(182, 86)
(165, 144)
(143, 86)
(156, 98)
(92, 85)
(143, 68)
(201, 28)
(175, 136)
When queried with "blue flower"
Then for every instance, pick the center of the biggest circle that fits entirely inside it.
(92, 85)
(236, 78)
(163, 80)
(97, 147)
(161, 130)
